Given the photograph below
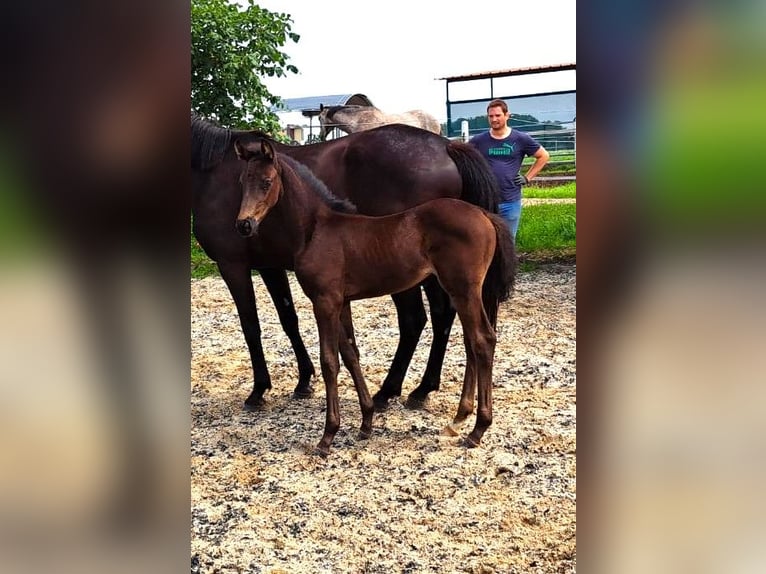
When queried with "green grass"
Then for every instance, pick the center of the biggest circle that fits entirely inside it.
(548, 231)
(21, 233)
(555, 156)
(201, 264)
(568, 190)
(565, 164)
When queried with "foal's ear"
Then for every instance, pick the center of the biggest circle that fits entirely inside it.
(241, 151)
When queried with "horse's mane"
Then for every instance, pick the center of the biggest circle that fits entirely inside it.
(209, 141)
(318, 186)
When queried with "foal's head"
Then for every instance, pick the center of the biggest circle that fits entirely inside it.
(261, 181)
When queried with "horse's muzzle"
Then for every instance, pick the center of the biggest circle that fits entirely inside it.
(247, 227)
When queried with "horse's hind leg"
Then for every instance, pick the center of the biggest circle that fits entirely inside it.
(238, 280)
(411, 316)
(467, 395)
(349, 352)
(480, 342)
(279, 288)
(442, 317)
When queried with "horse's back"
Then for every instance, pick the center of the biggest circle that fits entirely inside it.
(423, 120)
(386, 169)
(453, 216)
(460, 238)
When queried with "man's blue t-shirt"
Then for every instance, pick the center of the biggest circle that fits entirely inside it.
(504, 157)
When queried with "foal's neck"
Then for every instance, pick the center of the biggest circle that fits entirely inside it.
(301, 209)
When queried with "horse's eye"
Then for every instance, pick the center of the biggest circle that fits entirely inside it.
(266, 184)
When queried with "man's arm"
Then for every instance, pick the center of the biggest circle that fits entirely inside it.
(541, 158)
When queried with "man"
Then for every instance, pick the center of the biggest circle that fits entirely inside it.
(505, 148)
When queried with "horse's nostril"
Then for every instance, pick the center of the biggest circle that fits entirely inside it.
(244, 227)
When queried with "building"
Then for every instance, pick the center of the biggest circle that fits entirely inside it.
(297, 115)
(542, 103)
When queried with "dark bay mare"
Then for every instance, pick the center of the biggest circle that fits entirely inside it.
(383, 171)
(340, 256)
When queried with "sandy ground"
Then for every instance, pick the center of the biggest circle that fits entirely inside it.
(409, 499)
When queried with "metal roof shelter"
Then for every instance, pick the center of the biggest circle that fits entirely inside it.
(291, 110)
(479, 88)
(512, 72)
(313, 102)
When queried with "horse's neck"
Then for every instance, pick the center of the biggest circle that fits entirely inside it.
(360, 121)
(301, 208)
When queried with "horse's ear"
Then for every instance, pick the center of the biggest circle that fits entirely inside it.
(321, 107)
(267, 150)
(241, 151)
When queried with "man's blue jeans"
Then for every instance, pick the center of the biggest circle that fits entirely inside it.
(511, 212)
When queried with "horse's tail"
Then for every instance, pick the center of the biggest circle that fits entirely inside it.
(479, 183)
(501, 274)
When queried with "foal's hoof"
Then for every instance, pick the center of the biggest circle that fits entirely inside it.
(449, 430)
(323, 451)
(453, 429)
(364, 434)
(303, 392)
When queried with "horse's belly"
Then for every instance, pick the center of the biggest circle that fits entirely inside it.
(383, 280)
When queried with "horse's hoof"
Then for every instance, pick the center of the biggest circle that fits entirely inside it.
(449, 430)
(470, 443)
(254, 404)
(460, 419)
(304, 392)
(416, 403)
(364, 434)
(322, 451)
(380, 404)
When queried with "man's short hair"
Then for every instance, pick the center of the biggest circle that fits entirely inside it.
(498, 104)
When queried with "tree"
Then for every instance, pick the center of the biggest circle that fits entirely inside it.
(233, 48)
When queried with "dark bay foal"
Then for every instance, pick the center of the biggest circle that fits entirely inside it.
(341, 256)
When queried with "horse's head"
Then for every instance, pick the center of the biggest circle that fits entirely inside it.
(325, 115)
(261, 183)
(328, 119)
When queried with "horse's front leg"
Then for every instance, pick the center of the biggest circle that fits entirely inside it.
(411, 316)
(237, 277)
(279, 288)
(327, 312)
(349, 352)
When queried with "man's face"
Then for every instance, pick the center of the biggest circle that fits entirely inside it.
(497, 118)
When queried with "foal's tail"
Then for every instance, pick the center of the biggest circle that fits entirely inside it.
(501, 274)
(479, 183)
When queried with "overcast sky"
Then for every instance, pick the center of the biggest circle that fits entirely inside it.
(394, 55)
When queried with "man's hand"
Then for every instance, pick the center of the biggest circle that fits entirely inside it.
(521, 180)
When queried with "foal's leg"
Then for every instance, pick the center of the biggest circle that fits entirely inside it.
(327, 312)
(279, 288)
(237, 277)
(350, 355)
(467, 395)
(480, 342)
(411, 316)
(442, 317)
